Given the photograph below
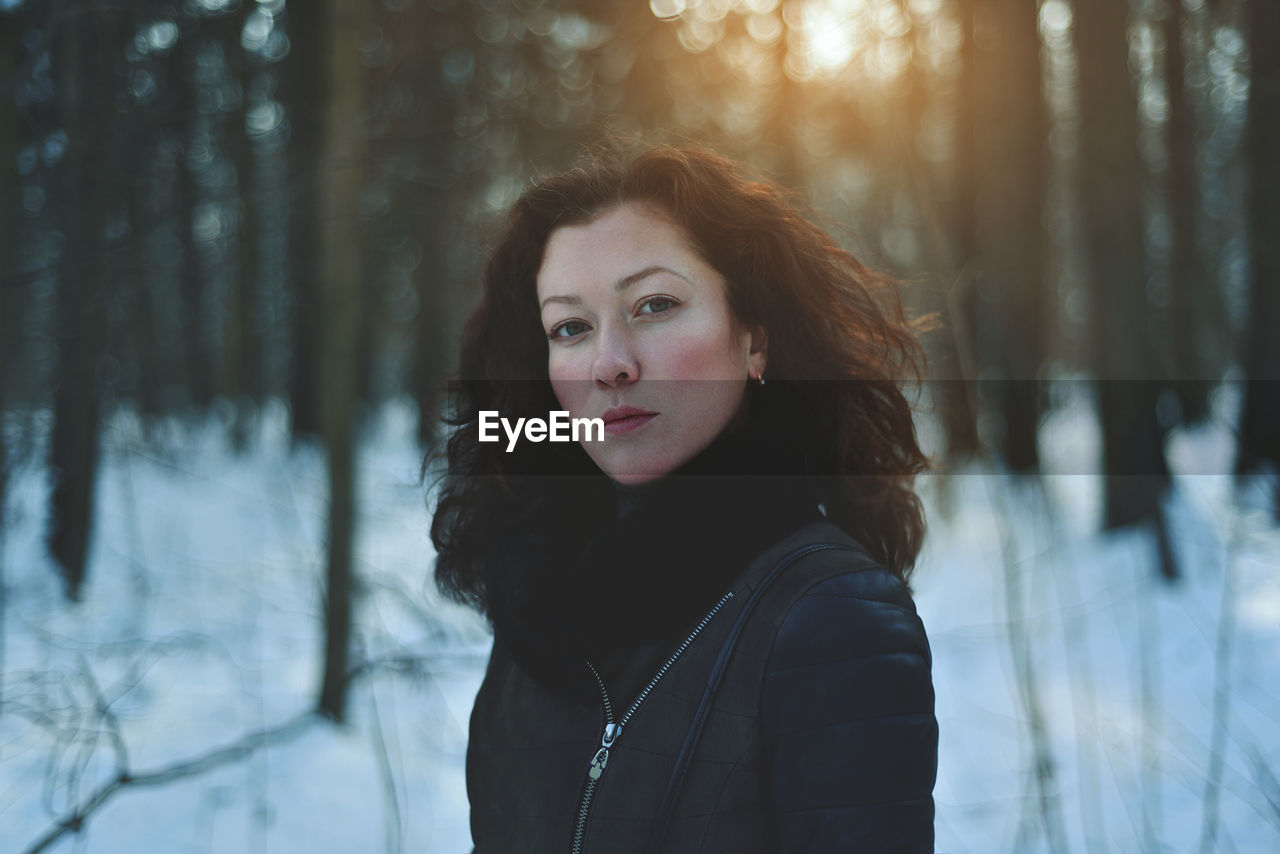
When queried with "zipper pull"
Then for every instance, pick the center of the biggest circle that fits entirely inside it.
(597, 763)
(601, 759)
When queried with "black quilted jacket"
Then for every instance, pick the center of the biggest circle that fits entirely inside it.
(822, 735)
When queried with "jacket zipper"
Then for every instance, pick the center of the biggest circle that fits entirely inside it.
(612, 730)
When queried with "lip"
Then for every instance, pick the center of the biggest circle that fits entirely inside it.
(625, 419)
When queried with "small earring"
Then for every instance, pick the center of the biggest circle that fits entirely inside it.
(760, 379)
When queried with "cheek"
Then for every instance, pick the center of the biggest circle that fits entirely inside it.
(566, 382)
(701, 358)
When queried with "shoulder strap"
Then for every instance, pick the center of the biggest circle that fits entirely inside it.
(674, 786)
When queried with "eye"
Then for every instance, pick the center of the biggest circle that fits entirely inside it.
(566, 329)
(656, 304)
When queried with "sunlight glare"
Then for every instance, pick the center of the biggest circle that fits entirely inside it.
(828, 36)
(741, 54)
(891, 21)
(698, 35)
(1055, 17)
(797, 66)
(712, 11)
(889, 59)
(765, 29)
(924, 8)
(824, 38)
(667, 9)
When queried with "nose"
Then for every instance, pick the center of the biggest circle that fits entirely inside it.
(615, 362)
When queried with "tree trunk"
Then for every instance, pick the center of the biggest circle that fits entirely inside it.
(342, 286)
(142, 322)
(197, 362)
(1192, 298)
(430, 207)
(11, 25)
(1124, 366)
(958, 391)
(1260, 419)
(84, 57)
(10, 332)
(11, 285)
(138, 309)
(305, 84)
(1011, 126)
(244, 345)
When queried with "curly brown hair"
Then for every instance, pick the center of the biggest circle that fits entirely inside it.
(840, 350)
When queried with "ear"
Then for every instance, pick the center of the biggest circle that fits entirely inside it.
(758, 356)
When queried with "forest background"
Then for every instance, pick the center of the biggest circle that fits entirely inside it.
(238, 239)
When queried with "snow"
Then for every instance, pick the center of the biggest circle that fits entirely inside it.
(200, 624)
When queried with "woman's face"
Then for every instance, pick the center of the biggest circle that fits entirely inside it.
(641, 335)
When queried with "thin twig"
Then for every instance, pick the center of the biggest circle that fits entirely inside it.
(1084, 715)
(237, 751)
(1148, 714)
(103, 709)
(1221, 697)
(1020, 648)
(1265, 779)
(393, 820)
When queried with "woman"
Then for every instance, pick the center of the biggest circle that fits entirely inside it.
(703, 638)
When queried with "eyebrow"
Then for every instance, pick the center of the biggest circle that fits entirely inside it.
(620, 285)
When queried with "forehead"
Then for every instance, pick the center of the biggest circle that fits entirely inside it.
(614, 244)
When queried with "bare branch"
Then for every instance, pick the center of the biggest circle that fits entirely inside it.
(1265, 779)
(237, 751)
(73, 820)
(1020, 649)
(394, 825)
(1221, 698)
(103, 708)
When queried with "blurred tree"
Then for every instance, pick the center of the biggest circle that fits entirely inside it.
(638, 60)
(783, 119)
(1111, 172)
(139, 341)
(959, 397)
(1260, 420)
(384, 171)
(10, 282)
(1193, 292)
(1010, 169)
(410, 198)
(343, 173)
(304, 91)
(179, 109)
(140, 338)
(243, 344)
(85, 54)
(943, 189)
(441, 184)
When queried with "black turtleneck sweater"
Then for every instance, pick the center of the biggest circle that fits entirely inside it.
(617, 576)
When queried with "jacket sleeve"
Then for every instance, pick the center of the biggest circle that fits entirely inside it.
(847, 719)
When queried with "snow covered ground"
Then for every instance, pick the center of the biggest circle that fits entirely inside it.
(1156, 706)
